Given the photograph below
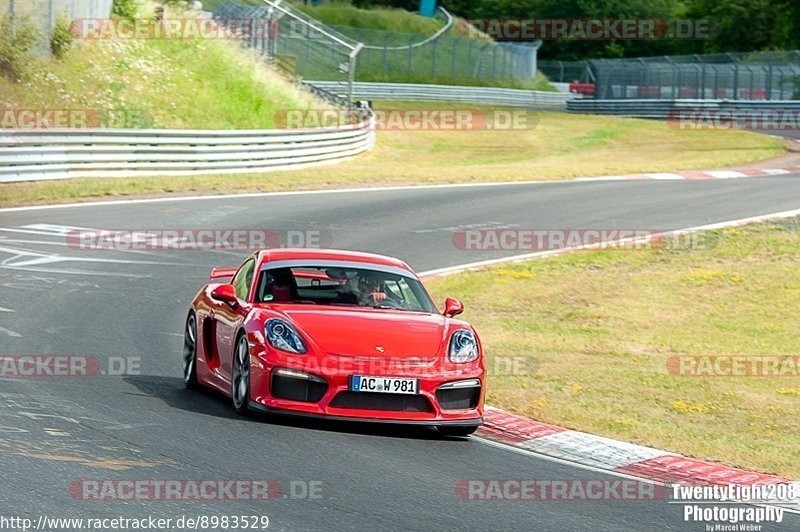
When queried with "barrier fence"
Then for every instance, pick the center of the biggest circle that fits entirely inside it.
(663, 109)
(735, 76)
(480, 95)
(27, 155)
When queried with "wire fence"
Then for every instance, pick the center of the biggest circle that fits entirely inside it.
(414, 57)
(42, 14)
(308, 49)
(566, 71)
(296, 43)
(735, 76)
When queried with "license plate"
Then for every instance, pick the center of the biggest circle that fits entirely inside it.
(359, 383)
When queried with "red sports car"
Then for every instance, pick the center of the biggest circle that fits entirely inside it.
(342, 335)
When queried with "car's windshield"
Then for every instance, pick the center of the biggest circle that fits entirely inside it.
(344, 286)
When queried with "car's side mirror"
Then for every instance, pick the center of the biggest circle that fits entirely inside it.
(225, 293)
(452, 307)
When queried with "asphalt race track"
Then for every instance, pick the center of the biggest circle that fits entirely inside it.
(60, 300)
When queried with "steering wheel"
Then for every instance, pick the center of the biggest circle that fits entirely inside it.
(388, 302)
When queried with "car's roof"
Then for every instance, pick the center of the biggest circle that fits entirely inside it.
(272, 255)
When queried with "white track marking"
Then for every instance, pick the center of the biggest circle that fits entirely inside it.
(75, 272)
(9, 332)
(526, 452)
(775, 171)
(664, 175)
(36, 259)
(329, 191)
(725, 174)
(536, 254)
(61, 231)
(594, 469)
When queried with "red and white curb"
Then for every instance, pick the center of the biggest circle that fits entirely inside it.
(617, 456)
(702, 174)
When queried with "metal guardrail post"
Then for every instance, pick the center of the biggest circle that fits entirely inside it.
(386, 53)
(433, 59)
(410, 50)
(272, 31)
(12, 14)
(352, 73)
(769, 82)
(453, 58)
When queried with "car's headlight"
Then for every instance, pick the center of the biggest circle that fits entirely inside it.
(463, 347)
(282, 335)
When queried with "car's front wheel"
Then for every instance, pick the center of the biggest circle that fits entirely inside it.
(190, 352)
(457, 431)
(240, 377)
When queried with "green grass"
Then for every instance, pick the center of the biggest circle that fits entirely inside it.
(159, 83)
(598, 328)
(377, 18)
(552, 146)
(343, 13)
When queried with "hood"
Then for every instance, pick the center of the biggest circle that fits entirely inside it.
(360, 332)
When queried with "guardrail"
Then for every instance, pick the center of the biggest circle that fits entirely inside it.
(28, 155)
(662, 109)
(479, 95)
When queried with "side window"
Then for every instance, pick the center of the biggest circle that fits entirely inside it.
(243, 279)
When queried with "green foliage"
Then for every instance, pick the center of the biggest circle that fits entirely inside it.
(125, 8)
(737, 25)
(61, 38)
(18, 39)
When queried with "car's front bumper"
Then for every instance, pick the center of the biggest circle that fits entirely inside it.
(258, 407)
(338, 402)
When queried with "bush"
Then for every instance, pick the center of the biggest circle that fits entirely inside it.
(18, 41)
(61, 38)
(125, 8)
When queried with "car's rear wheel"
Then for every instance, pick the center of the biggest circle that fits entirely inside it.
(190, 353)
(457, 431)
(240, 376)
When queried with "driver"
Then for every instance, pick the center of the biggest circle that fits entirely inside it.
(370, 288)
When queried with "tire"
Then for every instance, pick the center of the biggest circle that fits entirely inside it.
(461, 432)
(190, 353)
(240, 376)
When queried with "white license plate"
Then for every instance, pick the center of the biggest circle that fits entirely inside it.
(359, 383)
